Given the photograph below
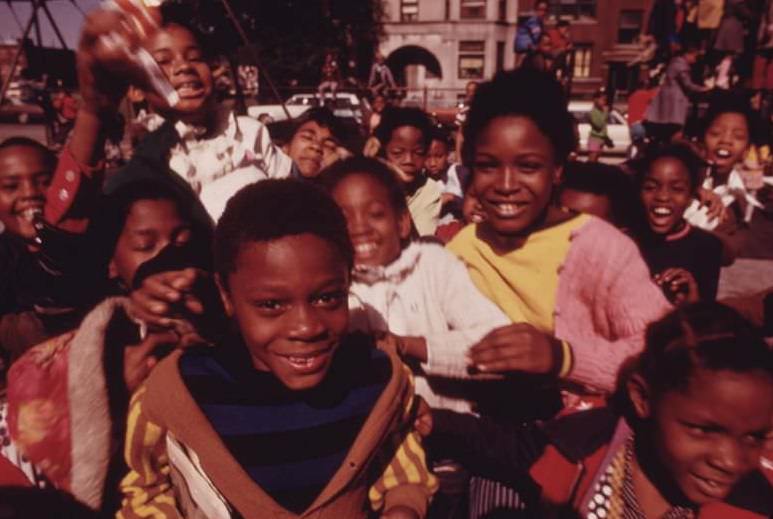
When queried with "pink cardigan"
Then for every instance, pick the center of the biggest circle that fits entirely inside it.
(604, 302)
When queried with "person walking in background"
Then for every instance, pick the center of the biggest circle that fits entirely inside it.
(666, 115)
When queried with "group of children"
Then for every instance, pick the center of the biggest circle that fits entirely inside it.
(233, 327)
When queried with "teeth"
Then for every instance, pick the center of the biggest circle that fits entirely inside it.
(301, 361)
(31, 213)
(662, 211)
(507, 209)
(365, 248)
(722, 153)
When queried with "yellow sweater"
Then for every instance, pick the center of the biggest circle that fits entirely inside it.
(522, 282)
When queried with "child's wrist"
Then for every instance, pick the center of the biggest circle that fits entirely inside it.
(562, 358)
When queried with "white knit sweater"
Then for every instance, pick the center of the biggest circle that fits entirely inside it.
(428, 293)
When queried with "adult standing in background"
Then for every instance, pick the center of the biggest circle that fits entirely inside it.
(667, 114)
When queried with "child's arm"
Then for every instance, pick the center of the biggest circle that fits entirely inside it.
(469, 314)
(147, 488)
(406, 485)
(485, 448)
(631, 300)
(77, 181)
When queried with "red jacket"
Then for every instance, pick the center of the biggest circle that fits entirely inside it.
(563, 459)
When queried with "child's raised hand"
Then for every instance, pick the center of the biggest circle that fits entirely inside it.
(679, 284)
(161, 296)
(515, 347)
(713, 203)
(105, 68)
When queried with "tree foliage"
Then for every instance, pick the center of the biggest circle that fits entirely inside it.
(291, 37)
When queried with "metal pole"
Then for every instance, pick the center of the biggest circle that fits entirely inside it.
(53, 23)
(38, 37)
(254, 55)
(17, 56)
(15, 16)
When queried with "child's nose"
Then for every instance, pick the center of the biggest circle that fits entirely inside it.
(727, 456)
(307, 325)
(508, 180)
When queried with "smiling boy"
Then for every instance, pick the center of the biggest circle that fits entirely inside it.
(293, 417)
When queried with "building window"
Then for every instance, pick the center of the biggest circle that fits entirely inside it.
(630, 25)
(409, 10)
(583, 52)
(573, 8)
(448, 9)
(500, 55)
(502, 10)
(472, 59)
(475, 9)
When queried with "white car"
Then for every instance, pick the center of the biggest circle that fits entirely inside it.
(346, 106)
(617, 127)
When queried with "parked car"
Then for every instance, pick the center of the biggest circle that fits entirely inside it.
(617, 127)
(345, 105)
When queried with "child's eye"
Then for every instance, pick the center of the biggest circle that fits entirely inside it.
(143, 247)
(331, 299)
(9, 188)
(700, 430)
(195, 55)
(485, 167)
(268, 305)
(756, 439)
(529, 166)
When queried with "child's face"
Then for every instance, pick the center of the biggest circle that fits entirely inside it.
(312, 145)
(24, 179)
(472, 212)
(726, 140)
(513, 174)
(711, 434)
(379, 103)
(665, 194)
(150, 226)
(178, 54)
(289, 299)
(584, 202)
(375, 227)
(407, 151)
(437, 159)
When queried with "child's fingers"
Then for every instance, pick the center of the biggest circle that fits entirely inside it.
(193, 304)
(184, 279)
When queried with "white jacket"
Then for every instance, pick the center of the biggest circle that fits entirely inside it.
(428, 293)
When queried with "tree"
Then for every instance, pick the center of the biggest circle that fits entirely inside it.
(291, 36)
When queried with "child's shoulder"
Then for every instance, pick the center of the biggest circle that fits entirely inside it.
(594, 232)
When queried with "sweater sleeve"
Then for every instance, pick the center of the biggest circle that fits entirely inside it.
(274, 162)
(469, 314)
(485, 448)
(406, 481)
(147, 488)
(623, 300)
